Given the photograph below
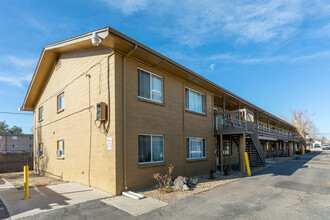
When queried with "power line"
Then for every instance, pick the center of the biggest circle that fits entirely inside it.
(15, 113)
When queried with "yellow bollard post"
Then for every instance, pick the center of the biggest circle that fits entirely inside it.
(247, 164)
(303, 150)
(26, 182)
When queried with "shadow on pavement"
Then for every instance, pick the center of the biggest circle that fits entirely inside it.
(289, 167)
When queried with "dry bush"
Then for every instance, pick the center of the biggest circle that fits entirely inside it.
(165, 181)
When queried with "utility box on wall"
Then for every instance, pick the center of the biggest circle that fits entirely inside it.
(101, 111)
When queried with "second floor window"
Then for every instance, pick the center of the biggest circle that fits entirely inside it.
(150, 86)
(60, 102)
(195, 101)
(41, 113)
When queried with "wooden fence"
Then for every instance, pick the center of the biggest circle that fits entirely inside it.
(14, 162)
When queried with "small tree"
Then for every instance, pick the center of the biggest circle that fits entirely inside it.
(165, 181)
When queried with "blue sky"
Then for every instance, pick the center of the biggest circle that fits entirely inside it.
(274, 53)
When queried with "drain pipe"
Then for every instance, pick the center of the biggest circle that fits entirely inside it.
(124, 114)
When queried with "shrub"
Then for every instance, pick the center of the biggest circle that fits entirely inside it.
(225, 171)
(165, 181)
(193, 181)
(211, 174)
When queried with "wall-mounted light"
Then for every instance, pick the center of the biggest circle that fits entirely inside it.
(96, 40)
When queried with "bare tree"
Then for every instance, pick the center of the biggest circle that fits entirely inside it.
(302, 120)
(313, 132)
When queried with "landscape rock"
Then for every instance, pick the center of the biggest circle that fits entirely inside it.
(180, 181)
(185, 187)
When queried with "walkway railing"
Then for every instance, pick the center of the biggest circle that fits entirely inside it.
(242, 121)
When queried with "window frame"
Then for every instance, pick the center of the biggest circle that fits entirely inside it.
(63, 100)
(226, 152)
(63, 148)
(41, 118)
(187, 107)
(150, 87)
(196, 158)
(42, 149)
(151, 161)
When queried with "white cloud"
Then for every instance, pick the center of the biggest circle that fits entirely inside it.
(271, 59)
(17, 81)
(20, 62)
(212, 66)
(197, 22)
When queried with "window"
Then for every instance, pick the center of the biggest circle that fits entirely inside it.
(226, 148)
(40, 149)
(0, 137)
(195, 101)
(151, 148)
(30, 145)
(60, 102)
(150, 86)
(13, 145)
(60, 148)
(41, 113)
(196, 148)
(14, 137)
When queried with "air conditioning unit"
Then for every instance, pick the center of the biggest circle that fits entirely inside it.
(39, 153)
(58, 153)
(101, 111)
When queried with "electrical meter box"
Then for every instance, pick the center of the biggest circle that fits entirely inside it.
(101, 111)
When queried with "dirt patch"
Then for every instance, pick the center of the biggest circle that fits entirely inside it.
(17, 179)
(204, 184)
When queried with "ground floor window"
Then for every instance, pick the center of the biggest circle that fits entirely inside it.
(196, 148)
(40, 149)
(151, 148)
(226, 148)
(60, 148)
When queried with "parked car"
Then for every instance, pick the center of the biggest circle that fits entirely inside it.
(325, 147)
(317, 145)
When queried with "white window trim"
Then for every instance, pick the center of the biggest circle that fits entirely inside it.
(149, 99)
(204, 113)
(59, 110)
(196, 158)
(153, 162)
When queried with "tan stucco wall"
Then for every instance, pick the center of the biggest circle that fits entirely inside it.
(169, 119)
(87, 159)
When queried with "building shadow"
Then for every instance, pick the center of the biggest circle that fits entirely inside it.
(41, 198)
(289, 167)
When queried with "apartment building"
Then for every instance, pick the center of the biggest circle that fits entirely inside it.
(16, 143)
(109, 112)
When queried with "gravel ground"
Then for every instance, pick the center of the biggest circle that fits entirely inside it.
(17, 179)
(204, 184)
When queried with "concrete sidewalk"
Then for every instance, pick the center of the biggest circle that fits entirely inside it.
(46, 198)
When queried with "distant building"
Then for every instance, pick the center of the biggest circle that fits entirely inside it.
(16, 142)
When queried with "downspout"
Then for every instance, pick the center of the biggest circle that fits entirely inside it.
(124, 116)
